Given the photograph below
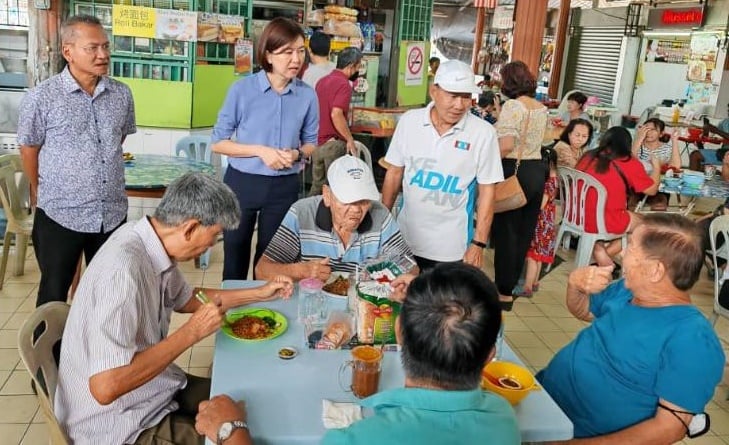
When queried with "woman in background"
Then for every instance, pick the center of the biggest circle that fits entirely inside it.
(613, 165)
(572, 142)
(520, 128)
(274, 119)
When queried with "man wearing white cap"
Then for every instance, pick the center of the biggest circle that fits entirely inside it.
(333, 232)
(443, 157)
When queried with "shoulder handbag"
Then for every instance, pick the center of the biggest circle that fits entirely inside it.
(631, 194)
(508, 194)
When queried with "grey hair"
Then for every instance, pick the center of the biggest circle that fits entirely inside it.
(202, 197)
(348, 56)
(68, 27)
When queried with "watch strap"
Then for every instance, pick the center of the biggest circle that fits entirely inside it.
(235, 424)
(478, 243)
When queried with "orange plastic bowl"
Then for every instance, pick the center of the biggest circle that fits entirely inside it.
(496, 374)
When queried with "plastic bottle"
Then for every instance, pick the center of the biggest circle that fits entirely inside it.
(676, 114)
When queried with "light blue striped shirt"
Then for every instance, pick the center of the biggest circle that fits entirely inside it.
(306, 233)
(122, 307)
(256, 114)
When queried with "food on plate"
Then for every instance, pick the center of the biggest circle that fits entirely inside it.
(250, 327)
(128, 156)
(231, 32)
(287, 353)
(339, 286)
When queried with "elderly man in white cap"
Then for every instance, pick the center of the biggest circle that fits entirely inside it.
(446, 161)
(335, 231)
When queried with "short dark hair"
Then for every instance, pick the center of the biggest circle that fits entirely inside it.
(565, 136)
(659, 124)
(348, 56)
(720, 153)
(668, 233)
(449, 323)
(578, 97)
(517, 80)
(486, 99)
(279, 32)
(68, 25)
(615, 143)
(320, 44)
(433, 59)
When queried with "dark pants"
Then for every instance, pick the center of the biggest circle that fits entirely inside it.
(57, 250)
(262, 198)
(179, 427)
(512, 232)
(425, 264)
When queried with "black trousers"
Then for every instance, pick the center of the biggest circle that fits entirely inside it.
(57, 250)
(512, 232)
(262, 198)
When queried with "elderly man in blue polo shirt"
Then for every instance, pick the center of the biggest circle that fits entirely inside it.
(447, 329)
(335, 231)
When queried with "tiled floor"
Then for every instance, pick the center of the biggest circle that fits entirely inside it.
(535, 330)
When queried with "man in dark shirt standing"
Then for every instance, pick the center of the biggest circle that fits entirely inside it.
(334, 92)
(71, 129)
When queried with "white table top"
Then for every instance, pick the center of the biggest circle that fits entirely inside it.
(284, 397)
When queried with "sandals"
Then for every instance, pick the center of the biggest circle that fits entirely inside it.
(507, 305)
(521, 291)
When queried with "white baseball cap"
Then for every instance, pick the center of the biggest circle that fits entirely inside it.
(455, 76)
(351, 180)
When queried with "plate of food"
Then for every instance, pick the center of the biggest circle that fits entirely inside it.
(337, 285)
(255, 324)
(128, 157)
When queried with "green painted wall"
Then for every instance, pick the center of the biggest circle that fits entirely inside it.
(415, 94)
(161, 103)
(208, 92)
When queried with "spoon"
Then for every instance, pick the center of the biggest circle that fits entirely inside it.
(202, 298)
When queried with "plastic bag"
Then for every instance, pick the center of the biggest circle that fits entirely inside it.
(338, 331)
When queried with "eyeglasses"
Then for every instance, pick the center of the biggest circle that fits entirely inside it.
(94, 49)
(289, 52)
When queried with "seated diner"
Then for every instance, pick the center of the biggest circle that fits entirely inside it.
(447, 329)
(613, 165)
(572, 142)
(645, 369)
(333, 232)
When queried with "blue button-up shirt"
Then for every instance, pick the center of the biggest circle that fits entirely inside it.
(80, 163)
(258, 115)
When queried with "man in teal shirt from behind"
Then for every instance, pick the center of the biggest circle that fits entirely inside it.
(447, 329)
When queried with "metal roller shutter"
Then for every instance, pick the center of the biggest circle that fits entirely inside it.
(593, 61)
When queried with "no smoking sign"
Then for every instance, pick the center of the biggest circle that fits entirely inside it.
(415, 62)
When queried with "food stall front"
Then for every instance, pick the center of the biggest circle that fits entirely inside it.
(13, 67)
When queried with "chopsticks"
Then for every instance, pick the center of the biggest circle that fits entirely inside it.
(202, 298)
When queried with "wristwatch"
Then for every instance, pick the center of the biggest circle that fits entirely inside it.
(227, 428)
(301, 155)
(478, 243)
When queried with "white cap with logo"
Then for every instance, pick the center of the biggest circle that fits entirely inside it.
(351, 180)
(455, 76)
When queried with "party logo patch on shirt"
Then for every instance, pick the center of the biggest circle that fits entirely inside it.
(463, 145)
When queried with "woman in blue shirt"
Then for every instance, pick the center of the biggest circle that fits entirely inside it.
(273, 117)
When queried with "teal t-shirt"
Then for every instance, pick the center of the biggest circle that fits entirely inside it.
(431, 417)
(611, 376)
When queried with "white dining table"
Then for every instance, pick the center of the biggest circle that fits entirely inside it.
(284, 397)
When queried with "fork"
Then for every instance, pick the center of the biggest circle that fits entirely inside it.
(202, 298)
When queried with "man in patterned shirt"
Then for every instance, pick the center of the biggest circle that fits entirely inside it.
(71, 129)
(335, 231)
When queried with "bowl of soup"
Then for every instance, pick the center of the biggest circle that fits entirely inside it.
(509, 380)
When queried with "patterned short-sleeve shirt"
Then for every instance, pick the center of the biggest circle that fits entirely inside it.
(80, 163)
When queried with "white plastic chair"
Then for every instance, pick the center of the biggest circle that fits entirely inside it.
(720, 225)
(19, 220)
(197, 147)
(574, 186)
(39, 361)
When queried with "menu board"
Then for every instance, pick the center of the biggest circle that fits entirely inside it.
(243, 56)
(702, 62)
(668, 51)
(176, 25)
(220, 28)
